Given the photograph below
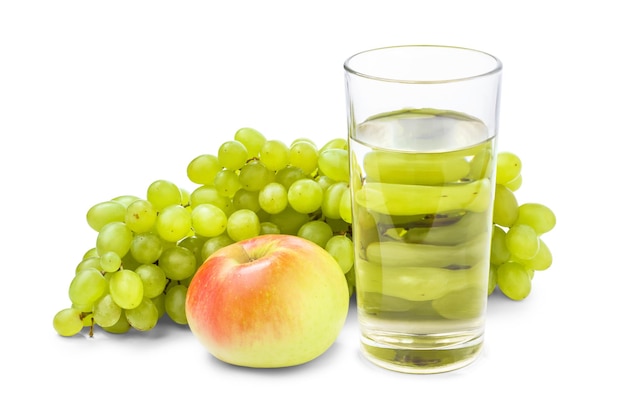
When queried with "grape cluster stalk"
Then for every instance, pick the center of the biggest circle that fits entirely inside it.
(148, 248)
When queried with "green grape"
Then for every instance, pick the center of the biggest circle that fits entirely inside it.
(202, 169)
(106, 312)
(331, 204)
(513, 280)
(410, 168)
(505, 206)
(522, 241)
(459, 230)
(541, 261)
(128, 262)
(243, 224)
(337, 143)
(508, 167)
(273, 198)
(184, 197)
(289, 175)
(125, 200)
(209, 194)
(274, 155)
(227, 183)
(399, 253)
(110, 262)
(289, 221)
(410, 199)
(122, 326)
(466, 303)
(345, 206)
(426, 283)
(114, 237)
(254, 175)
(173, 223)
(246, 199)
(316, 231)
(214, 244)
(334, 163)
(194, 243)
(303, 154)
(252, 139)
(153, 279)
(126, 288)
(269, 228)
(208, 220)
(105, 212)
(163, 193)
(175, 303)
(88, 263)
(68, 322)
(306, 140)
(140, 216)
(538, 216)
(481, 164)
(515, 184)
(324, 181)
(341, 248)
(146, 248)
(178, 263)
(499, 252)
(143, 317)
(87, 286)
(232, 155)
(305, 195)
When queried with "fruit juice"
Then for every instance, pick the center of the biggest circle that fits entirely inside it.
(422, 210)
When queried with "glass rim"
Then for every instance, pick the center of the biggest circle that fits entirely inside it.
(496, 68)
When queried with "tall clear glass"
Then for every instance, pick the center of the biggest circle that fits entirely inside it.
(422, 123)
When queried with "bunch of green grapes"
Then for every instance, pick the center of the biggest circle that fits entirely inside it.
(518, 249)
(148, 248)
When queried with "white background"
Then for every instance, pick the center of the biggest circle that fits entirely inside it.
(98, 99)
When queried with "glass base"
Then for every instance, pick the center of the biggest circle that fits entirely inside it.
(414, 360)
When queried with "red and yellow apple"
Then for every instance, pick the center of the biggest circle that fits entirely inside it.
(267, 302)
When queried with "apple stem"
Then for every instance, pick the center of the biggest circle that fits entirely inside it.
(250, 258)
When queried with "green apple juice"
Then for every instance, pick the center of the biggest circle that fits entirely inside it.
(422, 184)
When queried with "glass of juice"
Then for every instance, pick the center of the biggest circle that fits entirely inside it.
(422, 124)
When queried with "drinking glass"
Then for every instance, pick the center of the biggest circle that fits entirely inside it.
(422, 124)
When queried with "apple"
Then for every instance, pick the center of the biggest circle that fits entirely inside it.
(269, 301)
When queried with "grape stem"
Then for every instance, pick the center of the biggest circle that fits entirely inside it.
(82, 316)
